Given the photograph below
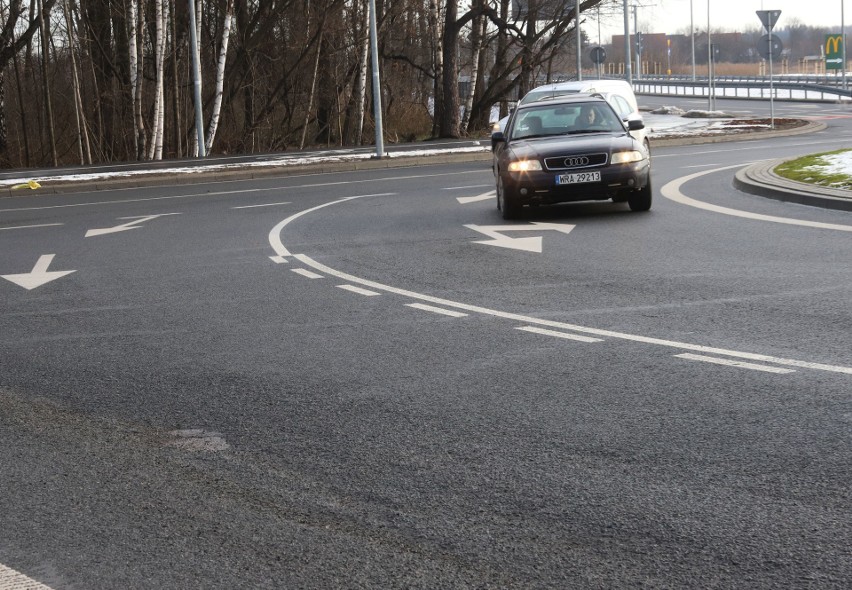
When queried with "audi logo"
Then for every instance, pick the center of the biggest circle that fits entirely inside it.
(574, 162)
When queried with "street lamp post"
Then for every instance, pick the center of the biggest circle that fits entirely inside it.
(627, 52)
(692, 37)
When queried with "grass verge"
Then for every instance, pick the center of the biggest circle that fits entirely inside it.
(819, 169)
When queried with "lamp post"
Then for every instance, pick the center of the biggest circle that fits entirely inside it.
(627, 52)
(843, 39)
(377, 87)
(709, 63)
(692, 37)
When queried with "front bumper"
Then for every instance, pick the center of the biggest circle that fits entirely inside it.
(541, 187)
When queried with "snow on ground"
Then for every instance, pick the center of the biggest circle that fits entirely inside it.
(840, 163)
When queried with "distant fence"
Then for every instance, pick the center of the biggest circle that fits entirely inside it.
(805, 88)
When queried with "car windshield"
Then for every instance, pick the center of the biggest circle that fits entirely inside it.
(576, 118)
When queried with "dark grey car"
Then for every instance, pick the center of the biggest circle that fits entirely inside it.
(570, 149)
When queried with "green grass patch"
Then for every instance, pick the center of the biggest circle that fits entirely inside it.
(815, 169)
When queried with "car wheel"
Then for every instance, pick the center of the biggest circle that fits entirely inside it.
(641, 200)
(506, 201)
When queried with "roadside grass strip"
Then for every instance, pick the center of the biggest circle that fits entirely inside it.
(358, 290)
(13, 580)
(438, 310)
(827, 169)
(554, 333)
(306, 273)
(732, 363)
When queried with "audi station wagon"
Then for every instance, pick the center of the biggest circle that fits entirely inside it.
(569, 149)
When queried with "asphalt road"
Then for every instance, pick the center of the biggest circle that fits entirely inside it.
(330, 381)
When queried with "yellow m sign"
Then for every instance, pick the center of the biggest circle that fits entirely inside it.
(833, 52)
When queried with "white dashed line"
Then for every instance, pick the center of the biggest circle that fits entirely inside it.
(13, 580)
(31, 226)
(564, 335)
(733, 363)
(306, 273)
(482, 197)
(439, 310)
(358, 290)
(264, 205)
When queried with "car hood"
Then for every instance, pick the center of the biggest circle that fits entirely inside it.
(570, 144)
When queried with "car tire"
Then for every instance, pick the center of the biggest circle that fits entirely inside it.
(507, 203)
(641, 200)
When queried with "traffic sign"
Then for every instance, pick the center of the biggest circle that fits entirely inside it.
(598, 55)
(769, 18)
(770, 44)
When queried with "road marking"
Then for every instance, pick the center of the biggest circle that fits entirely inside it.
(125, 226)
(278, 247)
(264, 205)
(464, 188)
(483, 197)
(14, 580)
(439, 310)
(31, 226)
(39, 275)
(733, 363)
(306, 273)
(564, 335)
(495, 232)
(275, 232)
(359, 290)
(672, 191)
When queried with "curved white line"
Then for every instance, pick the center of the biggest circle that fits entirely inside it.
(672, 191)
(278, 246)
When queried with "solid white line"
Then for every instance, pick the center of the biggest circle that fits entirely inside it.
(564, 335)
(306, 273)
(264, 205)
(672, 191)
(13, 580)
(358, 290)
(32, 226)
(439, 310)
(733, 363)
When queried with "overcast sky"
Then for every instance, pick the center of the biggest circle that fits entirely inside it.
(672, 16)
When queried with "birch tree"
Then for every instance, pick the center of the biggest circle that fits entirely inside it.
(220, 77)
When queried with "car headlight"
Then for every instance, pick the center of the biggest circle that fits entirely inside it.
(627, 157)
(524, 166)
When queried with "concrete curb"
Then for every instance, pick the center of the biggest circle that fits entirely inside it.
(760, 179)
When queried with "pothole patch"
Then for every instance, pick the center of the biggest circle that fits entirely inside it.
(198, 440)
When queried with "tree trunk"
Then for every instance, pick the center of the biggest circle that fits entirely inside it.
(220, 77)
(48, 105)
(449, 120)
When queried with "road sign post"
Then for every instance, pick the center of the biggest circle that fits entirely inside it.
(769, 18)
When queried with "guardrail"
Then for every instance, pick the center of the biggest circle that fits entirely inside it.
(799, 88)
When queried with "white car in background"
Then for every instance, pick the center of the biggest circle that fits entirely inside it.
(617, 93)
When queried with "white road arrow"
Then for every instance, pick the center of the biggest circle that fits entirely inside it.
(125, 226)
(39, 274)
(532, 244)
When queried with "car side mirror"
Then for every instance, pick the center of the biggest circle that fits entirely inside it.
(635, 124)
(496, 138)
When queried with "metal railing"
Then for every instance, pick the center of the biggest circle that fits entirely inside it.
(806, 88)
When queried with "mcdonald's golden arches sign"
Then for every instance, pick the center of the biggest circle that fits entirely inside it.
(834, 52)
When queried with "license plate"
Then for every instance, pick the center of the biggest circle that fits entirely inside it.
(578, 177)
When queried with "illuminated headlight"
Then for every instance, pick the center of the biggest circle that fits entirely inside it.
(627, 157)
(524, 166)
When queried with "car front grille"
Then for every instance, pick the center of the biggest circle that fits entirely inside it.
(576, 162)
